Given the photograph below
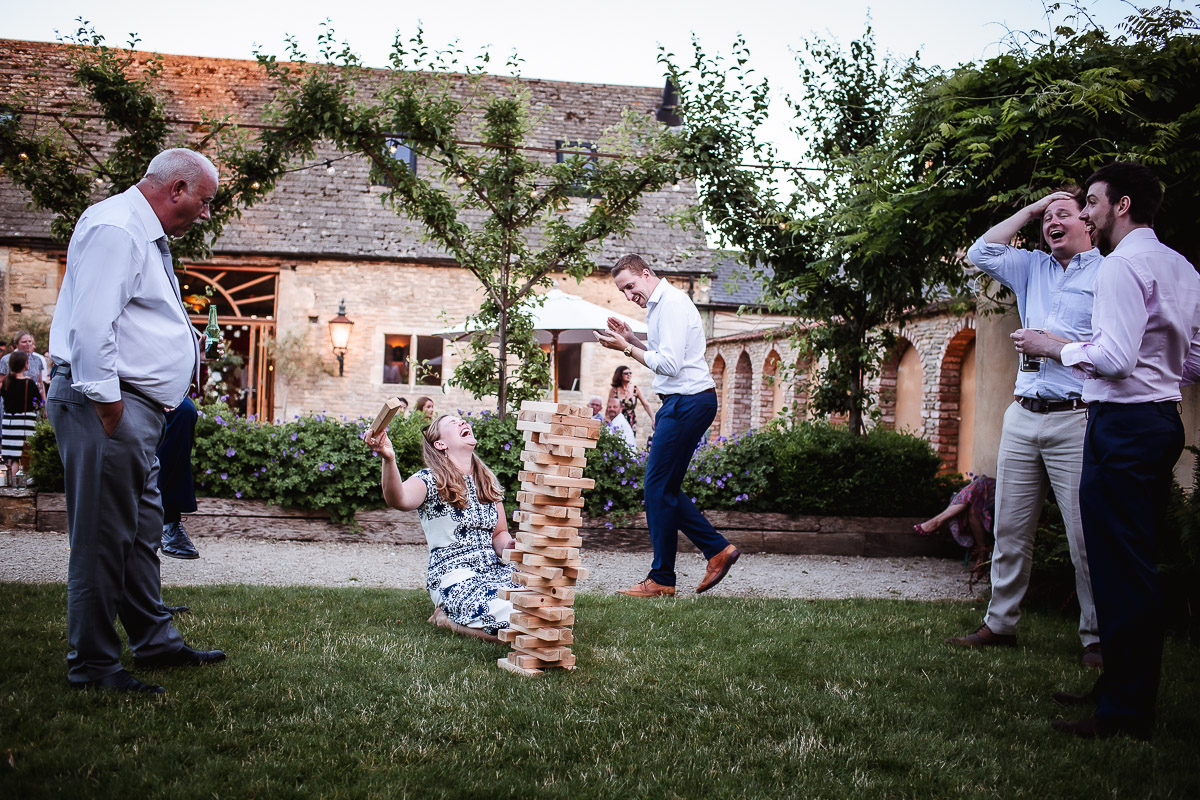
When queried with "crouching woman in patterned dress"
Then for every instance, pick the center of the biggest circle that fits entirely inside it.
(459, 502)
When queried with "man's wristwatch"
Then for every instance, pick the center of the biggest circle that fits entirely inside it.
(628, 351)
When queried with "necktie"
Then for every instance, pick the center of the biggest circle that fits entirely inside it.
(169, 265)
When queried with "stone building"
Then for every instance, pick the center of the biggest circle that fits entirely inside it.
(281, 270)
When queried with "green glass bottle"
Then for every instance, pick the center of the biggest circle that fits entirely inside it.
(212, 334)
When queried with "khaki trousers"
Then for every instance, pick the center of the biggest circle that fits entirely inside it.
(1037, 451)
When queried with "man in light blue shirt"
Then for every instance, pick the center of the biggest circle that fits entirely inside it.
(124, 350)
(675, 353)
(1041, 445)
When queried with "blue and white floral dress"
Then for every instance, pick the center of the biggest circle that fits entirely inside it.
(465, 574)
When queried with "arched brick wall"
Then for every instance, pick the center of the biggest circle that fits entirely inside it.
(718, 374)
(741, 396)
(948, 395)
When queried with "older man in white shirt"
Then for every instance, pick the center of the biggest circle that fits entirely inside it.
(124, 350)
(675, 353)
(1145, 341)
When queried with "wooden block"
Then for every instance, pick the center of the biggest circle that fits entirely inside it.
(527, 599)
(555, 449)
(560, 492)
(534, 427)
(532, 663)
(551, 531)
(559, 615)
(512, 666)
(570, 409)
(533, 540)
(568, 439)
(552, 653)
(550, 552)
(522, 517)
(543, 561)
(546, 573)
(578, 573)
(545, 628)
(523, 578)
(536, 499)
(553, 469)
(551, 459)
(574, 431)
(550, 632)
(542, 479)
(384, 417)
(562, 515)
(527, 641)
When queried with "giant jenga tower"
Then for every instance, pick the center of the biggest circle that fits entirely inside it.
(556, 439)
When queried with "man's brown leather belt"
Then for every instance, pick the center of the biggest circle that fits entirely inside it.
(663, 397)
(1047, 406)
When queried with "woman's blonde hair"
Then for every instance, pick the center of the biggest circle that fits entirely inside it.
(449, 481)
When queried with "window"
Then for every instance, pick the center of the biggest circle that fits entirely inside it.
(568, 366)
(568, 151)
(412, 360)
(394, 148)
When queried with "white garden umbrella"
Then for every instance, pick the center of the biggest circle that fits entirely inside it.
(563, 319)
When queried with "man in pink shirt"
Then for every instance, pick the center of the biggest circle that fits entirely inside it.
(1145, 342)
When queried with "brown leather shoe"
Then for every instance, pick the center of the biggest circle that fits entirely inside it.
(984, 638)
(1092, 657)
(718, 568)
(648, 588)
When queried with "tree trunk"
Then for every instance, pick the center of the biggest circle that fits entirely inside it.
(502, 393)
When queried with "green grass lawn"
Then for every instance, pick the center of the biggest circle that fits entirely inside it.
(348, 693)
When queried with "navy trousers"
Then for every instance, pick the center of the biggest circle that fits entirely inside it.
(678, 427)
(175, 481)
(1129, 454)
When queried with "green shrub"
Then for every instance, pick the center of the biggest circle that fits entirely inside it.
(618, 473)
(820, 469)
(735, 474)
(45, 466)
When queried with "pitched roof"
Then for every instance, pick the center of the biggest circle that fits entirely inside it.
(338, 214)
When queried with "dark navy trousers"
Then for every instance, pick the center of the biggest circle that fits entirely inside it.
(175, 480)
(1129, 455)
(679, 425)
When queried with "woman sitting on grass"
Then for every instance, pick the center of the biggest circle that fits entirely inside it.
(459, 501)
(969, 518)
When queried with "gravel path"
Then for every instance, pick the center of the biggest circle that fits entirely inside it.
(42, 557)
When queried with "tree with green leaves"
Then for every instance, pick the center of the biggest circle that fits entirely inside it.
(68, 158)
(990, 137)
(482, 195)
(838, 248)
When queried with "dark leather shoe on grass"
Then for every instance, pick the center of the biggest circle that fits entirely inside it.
(984, 638)
(183, 657)
(1095, 727)
(120, 681)
(718, 568)
(1092, 657)
(648, 588)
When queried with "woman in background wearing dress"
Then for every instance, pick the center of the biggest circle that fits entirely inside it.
(24, 397)
(459, 502)
(630, 395)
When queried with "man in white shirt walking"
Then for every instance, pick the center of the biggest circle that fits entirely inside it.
(1145, 341)
(675, 353)
(124, 350)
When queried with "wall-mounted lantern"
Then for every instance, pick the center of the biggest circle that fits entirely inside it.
(339, 335)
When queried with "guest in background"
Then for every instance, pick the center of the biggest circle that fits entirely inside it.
(597, 407)
(403, 405)
(425, 406)
(23, 401)
(36, 368)
(969, 517)
(618, 424)
(630, 395)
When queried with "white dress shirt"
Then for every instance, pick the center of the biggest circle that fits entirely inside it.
(1049, 297)
(620, 426)
(119, 316)
(1146, 325)
(675, 339)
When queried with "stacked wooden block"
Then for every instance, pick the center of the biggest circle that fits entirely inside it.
(556, 439)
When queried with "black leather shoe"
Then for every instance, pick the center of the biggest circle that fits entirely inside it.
(176, 610)
(120, 681)
(175, 542)
(183, 657)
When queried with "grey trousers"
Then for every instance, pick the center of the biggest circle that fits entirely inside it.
(1037, 451)
(114, 519)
